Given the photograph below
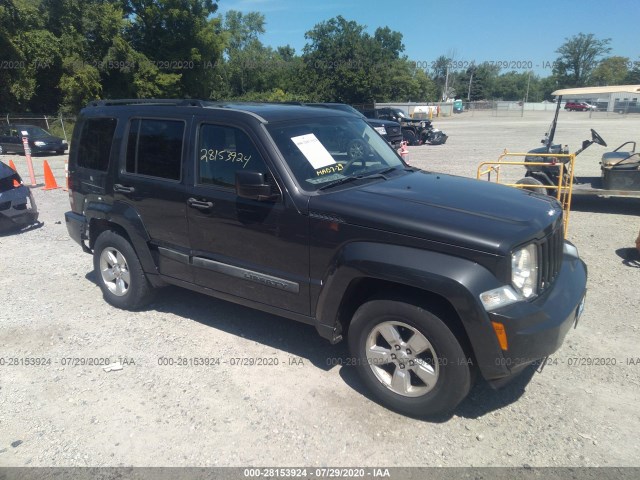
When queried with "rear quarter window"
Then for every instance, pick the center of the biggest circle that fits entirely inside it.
(94, 147)
(154, 148)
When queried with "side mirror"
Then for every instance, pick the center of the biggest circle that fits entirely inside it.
(251, 185)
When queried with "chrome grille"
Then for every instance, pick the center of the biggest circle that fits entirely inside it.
(550, 252)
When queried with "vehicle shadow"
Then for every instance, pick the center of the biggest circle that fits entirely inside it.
(630, 256)
(295, 338)
(620, 206)
(300, 340)
(8, 230)
(482, 398)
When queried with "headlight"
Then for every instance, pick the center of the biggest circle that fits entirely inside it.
(38, 143)
(524, 271)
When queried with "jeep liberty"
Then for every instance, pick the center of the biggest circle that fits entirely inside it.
(432, 278)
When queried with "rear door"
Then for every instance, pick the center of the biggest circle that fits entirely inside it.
(252, 249)
(151, 179)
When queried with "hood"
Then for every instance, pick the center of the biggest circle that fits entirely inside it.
(452, 210)
(382, 123)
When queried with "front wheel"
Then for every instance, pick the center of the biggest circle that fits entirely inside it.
(409, 358)
(536, 185)
(119, 273)
(410, 137)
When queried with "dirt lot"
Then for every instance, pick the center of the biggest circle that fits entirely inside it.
(305, 410)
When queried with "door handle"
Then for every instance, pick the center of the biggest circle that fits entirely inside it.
(200, 205)
(123, 189)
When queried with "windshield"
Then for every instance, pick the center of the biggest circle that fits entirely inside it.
(34, 131)
(325, 150)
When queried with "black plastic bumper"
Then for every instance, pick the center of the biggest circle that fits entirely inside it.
(77, 228)
(537, 329)
(17, 208)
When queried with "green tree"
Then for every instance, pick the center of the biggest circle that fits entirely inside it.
(578, 58)
(130, 74)
(344, 63)
(180, 37)
(441, 72)
(517, 86)
(611, 71)
(477, 81)
(251, 70)
(633, 76)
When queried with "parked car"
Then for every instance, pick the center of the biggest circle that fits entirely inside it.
(431, 277)
(40, 140)
(17, 207)
(579, 107)
(391, 131)
(414, 131)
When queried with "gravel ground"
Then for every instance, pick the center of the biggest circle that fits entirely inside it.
(302, 409)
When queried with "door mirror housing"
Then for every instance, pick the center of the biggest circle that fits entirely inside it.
(251, 185)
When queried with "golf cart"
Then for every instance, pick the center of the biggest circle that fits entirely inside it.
(620, 169)
(550, 168)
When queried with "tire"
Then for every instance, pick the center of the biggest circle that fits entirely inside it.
(409, 137)
(445, 374)
(59, 152)
(119, 273)
(532, 181)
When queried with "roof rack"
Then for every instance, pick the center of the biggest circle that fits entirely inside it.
(149, 101)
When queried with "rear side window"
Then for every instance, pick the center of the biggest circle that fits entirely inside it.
(154, 148)
(94, 148)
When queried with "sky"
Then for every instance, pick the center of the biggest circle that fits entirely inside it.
(520, 35)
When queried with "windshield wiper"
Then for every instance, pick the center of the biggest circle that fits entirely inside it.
(342, 181)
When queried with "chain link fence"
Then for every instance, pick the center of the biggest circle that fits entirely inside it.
(55, 124)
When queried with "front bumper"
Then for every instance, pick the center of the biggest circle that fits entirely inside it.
(536, 329)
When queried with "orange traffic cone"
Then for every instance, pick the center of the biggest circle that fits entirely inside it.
(49, 179)
(16, 183)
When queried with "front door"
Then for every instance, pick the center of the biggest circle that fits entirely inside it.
(252, 249)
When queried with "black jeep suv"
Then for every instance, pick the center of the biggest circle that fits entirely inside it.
(430, 276)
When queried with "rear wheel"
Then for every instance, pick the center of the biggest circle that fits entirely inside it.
(119, 273)
(532, 181)
(409, 358)
(409, 136)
